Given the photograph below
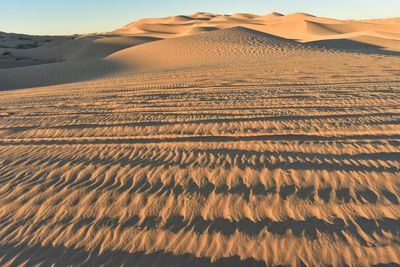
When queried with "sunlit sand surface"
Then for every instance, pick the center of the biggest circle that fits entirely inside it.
(204, 140)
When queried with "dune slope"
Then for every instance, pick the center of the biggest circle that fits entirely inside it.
(219, 47)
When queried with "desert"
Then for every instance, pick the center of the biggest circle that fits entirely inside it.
(202, 140)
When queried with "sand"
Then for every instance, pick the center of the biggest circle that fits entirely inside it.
(204, 140)
(88, 57)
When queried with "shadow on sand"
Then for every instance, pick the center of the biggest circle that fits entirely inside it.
(353, 46)
(61, 256)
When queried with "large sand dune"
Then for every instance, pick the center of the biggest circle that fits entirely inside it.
(86, 57)
(204, 140)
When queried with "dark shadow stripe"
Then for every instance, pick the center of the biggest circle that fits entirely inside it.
(309, 228)
(243, 159)
(119, 140)
(205, 121)
(62, 256)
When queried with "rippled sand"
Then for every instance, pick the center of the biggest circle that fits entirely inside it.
(229, 148)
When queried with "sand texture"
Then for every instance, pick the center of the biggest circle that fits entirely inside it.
(203, 140)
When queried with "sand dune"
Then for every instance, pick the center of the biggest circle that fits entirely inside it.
(203, 140)
(222, 47)
(100, 52)
(307, 27)
(372, 36)
(74, 60)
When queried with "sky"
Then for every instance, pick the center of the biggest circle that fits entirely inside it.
(62, 17)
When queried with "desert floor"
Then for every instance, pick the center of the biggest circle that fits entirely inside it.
(213, 146)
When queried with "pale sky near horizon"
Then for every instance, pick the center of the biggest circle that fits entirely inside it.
(58, 17)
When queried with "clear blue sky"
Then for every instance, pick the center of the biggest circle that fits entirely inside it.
(86, 16)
